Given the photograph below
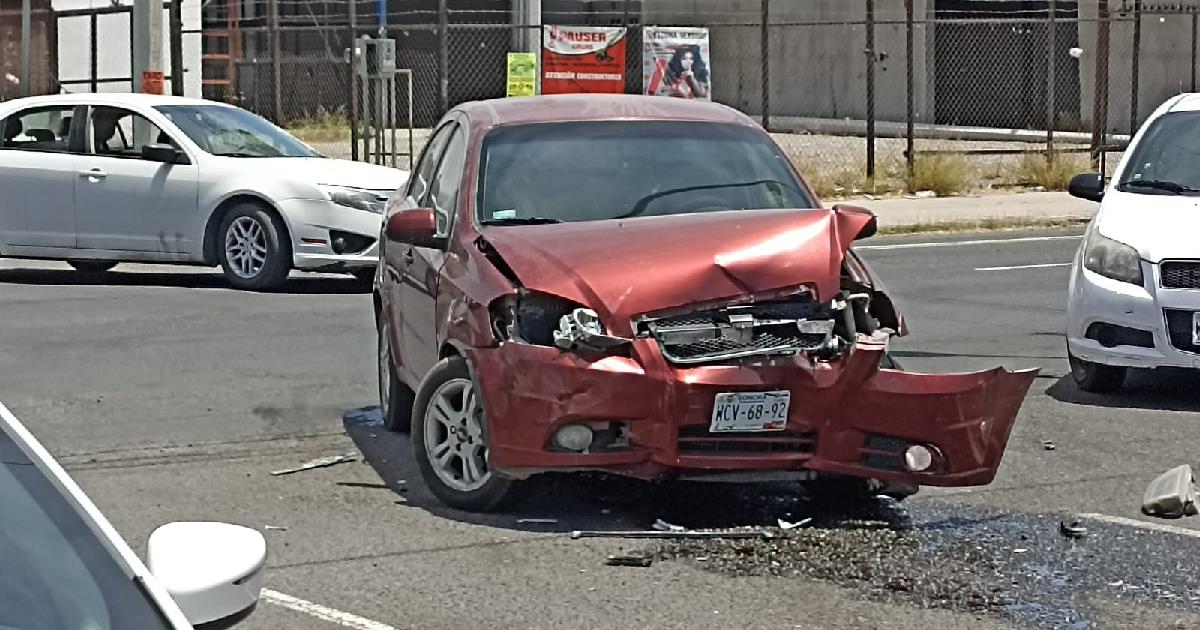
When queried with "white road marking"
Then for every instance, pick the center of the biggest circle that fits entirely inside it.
(982, 241)
(332, 615)
(1131, 522)
(1014, 267)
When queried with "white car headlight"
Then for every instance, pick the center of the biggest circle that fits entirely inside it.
(1112, 259)
(354, 198)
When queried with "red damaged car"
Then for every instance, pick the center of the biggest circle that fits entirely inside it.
(646, 286)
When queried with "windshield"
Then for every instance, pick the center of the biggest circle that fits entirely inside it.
(1165, 159)
(234, 132)
(589, 171)
(54, 573)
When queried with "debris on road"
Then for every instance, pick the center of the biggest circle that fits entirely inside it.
(537, 521)
(784, 525)
(629, 561)
(1072, 529)
(673, 535)
(663, 526)
(1171, 495)
(401, 485)
(1048, 445)
(321, 462)
(364, 416)
(274, 528)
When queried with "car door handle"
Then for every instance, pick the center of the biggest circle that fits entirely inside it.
(93, 174)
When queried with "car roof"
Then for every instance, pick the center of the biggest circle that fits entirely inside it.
(583, 107)
(1186, 103)
(105, 98)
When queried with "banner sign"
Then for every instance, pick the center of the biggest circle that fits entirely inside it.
(522, 74)
(675, 62)
(579, 59)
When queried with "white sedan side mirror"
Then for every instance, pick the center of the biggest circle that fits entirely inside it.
(213, 571)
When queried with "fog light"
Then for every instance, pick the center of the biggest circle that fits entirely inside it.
(574, 437)
(918, 458)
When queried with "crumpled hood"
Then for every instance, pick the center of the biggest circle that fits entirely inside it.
(335, 172)
(624, 268)
(1160, 227)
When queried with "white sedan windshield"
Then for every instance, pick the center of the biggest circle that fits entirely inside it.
(234, 132)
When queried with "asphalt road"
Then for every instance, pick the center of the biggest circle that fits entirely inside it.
(171, 397)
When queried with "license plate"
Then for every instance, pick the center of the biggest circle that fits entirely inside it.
(1196, 329)
(750, 411)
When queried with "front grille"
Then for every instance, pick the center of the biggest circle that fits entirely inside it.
(1180, 274)
(698, 440)
(783, 327)
(1179, 329)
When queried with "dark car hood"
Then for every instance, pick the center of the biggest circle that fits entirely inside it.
(624, 268)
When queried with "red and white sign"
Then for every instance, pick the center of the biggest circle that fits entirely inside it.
(583, 59)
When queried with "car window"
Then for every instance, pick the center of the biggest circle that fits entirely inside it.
(234, 132)
(596, 170)
(55, 574)
(40, 129)
(423, 174)
(444, 194)
(1167, 152)
(121, 133)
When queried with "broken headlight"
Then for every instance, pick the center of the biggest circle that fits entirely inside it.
(1112, 259)
(546, 320)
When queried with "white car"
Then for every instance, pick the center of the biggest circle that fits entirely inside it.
(64, 567)
(1135, 287)
(97, 179)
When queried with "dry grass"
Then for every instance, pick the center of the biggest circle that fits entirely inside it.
(944, 173)
(325, 126)
(1035, 170)
(984, 225)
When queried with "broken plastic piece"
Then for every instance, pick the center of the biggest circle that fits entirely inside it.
(800, 523)
(1171, 495)
(581, 330)
(1048, 445)
(321, 462)
(275, 528)
(629, 561)
(671, 535)
(1072, 529)
(664, 526)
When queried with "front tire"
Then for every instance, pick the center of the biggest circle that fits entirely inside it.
(1096, 377)
(254, 249)
(450, 440)
(395, 398)
(92, 266)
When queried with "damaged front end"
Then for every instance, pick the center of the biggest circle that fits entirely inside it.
(592, 372)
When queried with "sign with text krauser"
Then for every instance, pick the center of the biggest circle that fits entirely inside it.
(675, 62)
(583, 59)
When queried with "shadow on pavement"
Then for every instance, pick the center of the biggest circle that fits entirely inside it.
(592, 501)
(1164, 389)
(297, 284)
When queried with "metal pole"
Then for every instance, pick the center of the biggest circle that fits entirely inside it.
(1137, 45)
(1100, 99)
(910, 114)
(1195, 23)
(26, 40)
(444, 54)
(93, 63)
(871, 94)
(147, 41)
(1051, 82)
(352, 70)
(276, 66)
(176, 16)
(766, 64)
(382, 7)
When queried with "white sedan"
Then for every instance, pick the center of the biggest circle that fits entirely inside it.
(64, 567)
(97, 179)
(1135, 289)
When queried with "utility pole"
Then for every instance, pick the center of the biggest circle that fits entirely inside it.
(26, 40)
(148, 46)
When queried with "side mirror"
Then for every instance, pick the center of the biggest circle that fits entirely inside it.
(1088, 186)
(869, 229)
(417, 226)
(164, 153)
(213, 571)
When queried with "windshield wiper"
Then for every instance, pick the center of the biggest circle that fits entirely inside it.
(239, 154)
(523, 221)
(1158, 184)
(644, 202)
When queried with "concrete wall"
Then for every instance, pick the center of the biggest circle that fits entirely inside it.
(818, 68)
(114, 48)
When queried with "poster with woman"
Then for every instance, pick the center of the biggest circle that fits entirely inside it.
(675, 62)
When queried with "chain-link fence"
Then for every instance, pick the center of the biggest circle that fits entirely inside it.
(865, 95)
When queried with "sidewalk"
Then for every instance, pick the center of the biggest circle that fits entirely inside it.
(1032, 207)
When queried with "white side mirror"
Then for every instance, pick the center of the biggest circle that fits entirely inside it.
(213, 571)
